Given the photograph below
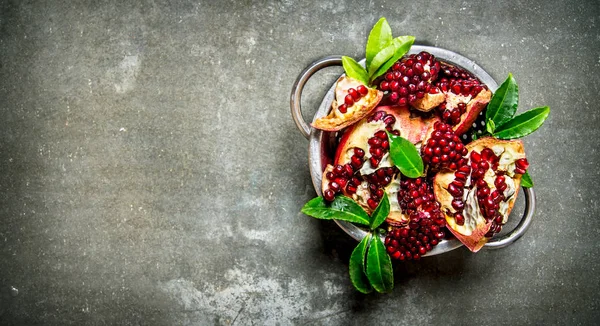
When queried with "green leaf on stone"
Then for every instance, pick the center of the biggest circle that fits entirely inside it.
(389, 55)
(503, 105)
(379, 37)
(358, 277)
(341, 208)
(379, 267)
(381, 212)
(354, 70)
(523, 124)
(405, 156)
(526, 180)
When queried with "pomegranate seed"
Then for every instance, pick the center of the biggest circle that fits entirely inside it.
(328, 194)
(384, 86)
(334, 186)
(349, 100)
(362, 90)
(359, 152)
(348, 170)
(372, 203)
(343, 108)
(459, 219)
(354, 93)
(522, 164)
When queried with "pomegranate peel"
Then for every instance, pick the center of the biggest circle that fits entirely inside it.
(474, 107)
(347, 108)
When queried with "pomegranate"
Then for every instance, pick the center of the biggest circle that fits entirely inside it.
(465, 97)
(477, 198)
(424, 83)
(353, 101)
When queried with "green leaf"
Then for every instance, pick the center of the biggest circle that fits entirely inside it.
(503, 105)
(357, 266)
(379, 37)
(354, 70)
(526, 180)
(490, 126)
(379, 267)
(405, 156)
(342, 208)
(381, 212)
(386, 58)
(523, 124)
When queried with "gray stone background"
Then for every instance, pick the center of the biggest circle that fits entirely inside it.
(151, 174)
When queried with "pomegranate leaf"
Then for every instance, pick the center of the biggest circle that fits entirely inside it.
(379, 37)
(490, 126)
(358, 277)
(381, 212)
(354, 70)
(526, 180)
(405, 156)
(386, 58)
(341, 208)
(379, 267)
(523, 124)
(503, 105)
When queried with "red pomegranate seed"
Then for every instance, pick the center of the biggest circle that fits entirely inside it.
(363, 90)
(328, 194)
(349, 100)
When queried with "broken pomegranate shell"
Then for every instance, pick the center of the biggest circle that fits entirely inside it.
(477, 197)
(353, 101)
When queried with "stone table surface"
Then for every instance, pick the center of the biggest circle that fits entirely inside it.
(151, 174)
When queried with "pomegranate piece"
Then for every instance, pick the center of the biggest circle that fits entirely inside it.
(364, 147)
(465, 97)
(477, 198)
(353, 101)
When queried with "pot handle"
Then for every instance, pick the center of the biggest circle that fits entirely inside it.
(521, 228)
(334, 60)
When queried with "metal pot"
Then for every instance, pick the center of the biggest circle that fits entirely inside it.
(320, 143)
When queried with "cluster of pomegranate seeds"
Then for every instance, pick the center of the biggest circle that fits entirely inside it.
(338, 180)
(456, 189)
(488, 200)
(468, 87)
(378, 146)
(444, 148)
(425, 228)
(378, 180)
(410, 78)
(353, 96)
(450, 115)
